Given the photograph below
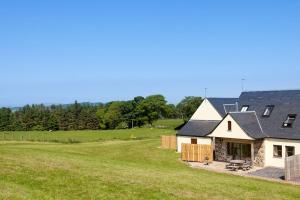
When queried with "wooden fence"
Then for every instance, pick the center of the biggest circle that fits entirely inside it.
(292, 167)
(168, 142)
(196, 152)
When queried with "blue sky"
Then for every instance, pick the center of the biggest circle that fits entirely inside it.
(59, 51)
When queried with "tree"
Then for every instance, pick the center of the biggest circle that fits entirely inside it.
(171, 112)
(100, 115)
(61, 114)
(113, 115)
(76, 116)
(88, 118)
(150, 109)
(52, 124)
(188, 106)
(5, 119)
(73, 116)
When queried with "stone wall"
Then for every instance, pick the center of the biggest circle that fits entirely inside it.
(259, 153)
(221, 150)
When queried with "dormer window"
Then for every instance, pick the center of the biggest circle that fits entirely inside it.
(268, 111)
(244, 108)
(288, 123)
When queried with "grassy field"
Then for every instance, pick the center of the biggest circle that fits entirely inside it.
(84, 136)
(168, 126)
(117, 167)
(168, 123)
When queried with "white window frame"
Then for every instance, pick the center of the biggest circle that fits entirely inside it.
(268, 110)
(244, 108)
(286, 152)
(287, 123)
(277, 156)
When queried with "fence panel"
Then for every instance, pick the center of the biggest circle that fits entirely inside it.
(196, 153)
(168, 142)
(292, 167)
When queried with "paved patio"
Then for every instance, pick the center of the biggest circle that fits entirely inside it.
(270, 173)
(221, 167)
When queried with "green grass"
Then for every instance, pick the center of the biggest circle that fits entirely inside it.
(168, 123)
(84, 136)
(118, 168)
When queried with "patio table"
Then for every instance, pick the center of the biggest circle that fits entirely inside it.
(236, 164)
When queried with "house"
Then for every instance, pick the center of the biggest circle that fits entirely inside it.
(261, 126)
(205, 119)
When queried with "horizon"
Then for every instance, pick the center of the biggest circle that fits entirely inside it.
(108, 51)
(83, 102)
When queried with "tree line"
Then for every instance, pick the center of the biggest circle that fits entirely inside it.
(113, 115)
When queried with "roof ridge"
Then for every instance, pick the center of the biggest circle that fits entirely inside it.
(222, 97)
(237, 112)
(275, 90)
(205, 120)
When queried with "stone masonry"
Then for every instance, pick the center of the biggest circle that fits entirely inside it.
(259, 153)
(221, 151)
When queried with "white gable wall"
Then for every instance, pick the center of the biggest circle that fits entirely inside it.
(206, 111)
(222, 130)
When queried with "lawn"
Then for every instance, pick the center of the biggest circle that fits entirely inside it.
(168, 123)
(84, 136)
(118, 167)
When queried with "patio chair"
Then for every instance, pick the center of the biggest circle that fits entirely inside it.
(249, 162)
(247, 165)
(228, 166)
(229, 158)
(233, 167)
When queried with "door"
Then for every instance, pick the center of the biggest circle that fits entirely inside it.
(240, 151)
(237, 151)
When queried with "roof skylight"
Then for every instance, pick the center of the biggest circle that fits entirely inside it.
(288, 123)
(244, 108)
(268, 111)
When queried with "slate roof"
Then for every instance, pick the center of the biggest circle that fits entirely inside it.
(231, 107)
(285, 102)
(219, 103)
(197, 128)
(253, 122)
(248, 121)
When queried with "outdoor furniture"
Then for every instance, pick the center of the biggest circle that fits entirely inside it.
(229, 158)
(248, 164)
(235, 165)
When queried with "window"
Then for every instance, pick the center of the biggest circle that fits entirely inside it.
(277, 151)
(229, 148)
(238, 150)
(193, 141)
(268, 111)
(229, 124)
(244, 108)
(289, 151)
(288, 123)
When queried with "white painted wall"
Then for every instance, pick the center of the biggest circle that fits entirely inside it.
(222, 130)
(206, 111)
(278, 162)
(187, 140)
